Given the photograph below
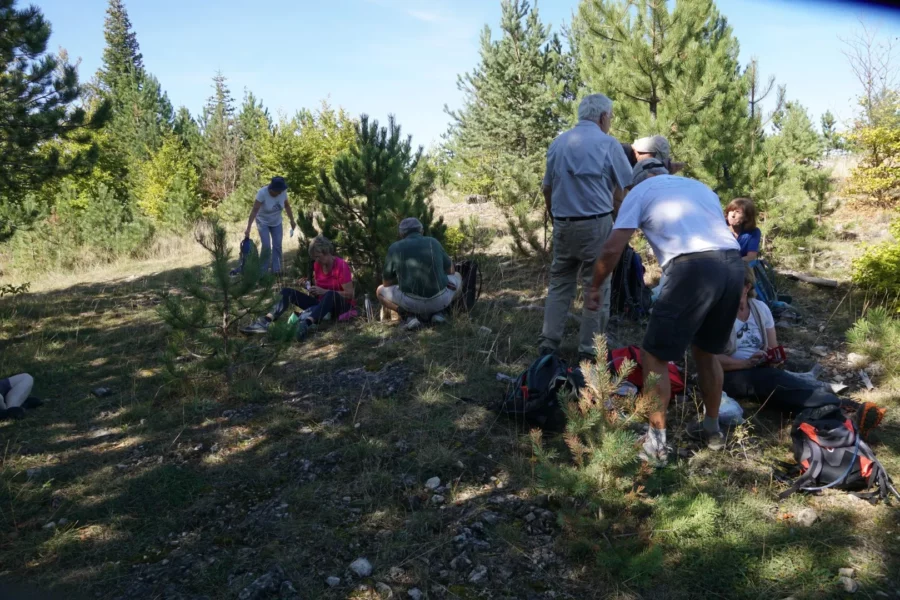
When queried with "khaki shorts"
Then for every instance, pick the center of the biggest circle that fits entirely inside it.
(423, 306)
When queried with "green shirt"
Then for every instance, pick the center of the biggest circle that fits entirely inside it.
(417, 264)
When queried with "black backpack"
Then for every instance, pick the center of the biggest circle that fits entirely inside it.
(629, 295)
(535, 393)
(830, 453)
(471, 286)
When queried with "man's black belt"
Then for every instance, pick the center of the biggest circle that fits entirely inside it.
(600, 216)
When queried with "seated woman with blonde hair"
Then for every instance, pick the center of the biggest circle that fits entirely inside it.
(331, 292)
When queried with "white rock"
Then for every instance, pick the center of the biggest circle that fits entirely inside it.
(478, 574)
(433, 483)
(857, 361)
(50, 525)
(806, 517)
(846, 572)
(384, 590)
(361, 567)
(819, 350)
(333, 581)
(850, 585)
(415, 594)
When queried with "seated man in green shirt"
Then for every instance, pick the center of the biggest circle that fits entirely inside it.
(418, 276)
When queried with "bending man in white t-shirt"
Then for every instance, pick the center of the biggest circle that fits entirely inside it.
(683, 221)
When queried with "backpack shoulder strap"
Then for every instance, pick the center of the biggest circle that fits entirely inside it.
(756, 313)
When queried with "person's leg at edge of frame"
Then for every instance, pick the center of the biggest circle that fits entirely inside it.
(20, 388)
(561, 291)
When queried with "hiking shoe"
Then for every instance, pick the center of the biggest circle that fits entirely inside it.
(32, 402)
(584, 356)
(438, 319)
(261, 325)
(714, 441)
(412, 324)
(658, 458)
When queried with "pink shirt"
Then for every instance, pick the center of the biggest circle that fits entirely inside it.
(335, 279)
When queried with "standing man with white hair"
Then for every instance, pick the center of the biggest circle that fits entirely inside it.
(587, 172)
(683, 221)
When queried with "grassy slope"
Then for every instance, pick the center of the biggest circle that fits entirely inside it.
(188, 494)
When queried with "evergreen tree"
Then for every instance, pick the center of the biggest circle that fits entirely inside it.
(517, 100)
(220, 157)
(831, 137)
(205, 318)
(672, 72)
(254, 127)
(376, 183)
(142, 112)
(187, 131)
(37, 96)
(122, 55)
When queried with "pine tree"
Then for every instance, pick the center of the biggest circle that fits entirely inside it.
(122, 57)
(671, 72)
(516, 101)
(220, 156)
(38, 94)
(833, 140)
(254, 128)
(376, 183)
(142, 112)
(204, 319)
(187, 131)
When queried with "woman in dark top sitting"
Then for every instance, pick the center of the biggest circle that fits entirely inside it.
(741, 217)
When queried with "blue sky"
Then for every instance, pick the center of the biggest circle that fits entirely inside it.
(403, 56)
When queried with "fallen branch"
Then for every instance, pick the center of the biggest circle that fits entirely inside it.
(831, 283)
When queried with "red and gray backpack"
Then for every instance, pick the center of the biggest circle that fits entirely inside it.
(831, 453)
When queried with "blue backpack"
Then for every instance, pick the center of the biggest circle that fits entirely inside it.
(534, 395)
(247, 246)
(765, 288)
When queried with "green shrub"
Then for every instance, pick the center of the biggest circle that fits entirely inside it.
(879, 267)
(454, 240)
(877, 336)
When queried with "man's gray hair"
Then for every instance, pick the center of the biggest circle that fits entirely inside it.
(410, 225)
(593, 106)
(647, 168)
(320, 244)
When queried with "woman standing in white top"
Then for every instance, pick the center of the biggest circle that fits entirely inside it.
(267, 212)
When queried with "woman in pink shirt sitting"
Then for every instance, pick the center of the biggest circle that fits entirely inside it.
(330, 294)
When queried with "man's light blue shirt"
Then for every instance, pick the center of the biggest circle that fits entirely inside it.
(584, 166)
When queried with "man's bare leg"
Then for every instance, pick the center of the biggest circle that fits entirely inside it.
(654, 446)
(711, 377)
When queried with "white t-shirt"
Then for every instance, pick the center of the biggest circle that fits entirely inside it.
(748, 336)
(269, 214)
(678, 215)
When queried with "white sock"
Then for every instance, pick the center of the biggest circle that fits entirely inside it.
(656, 439)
